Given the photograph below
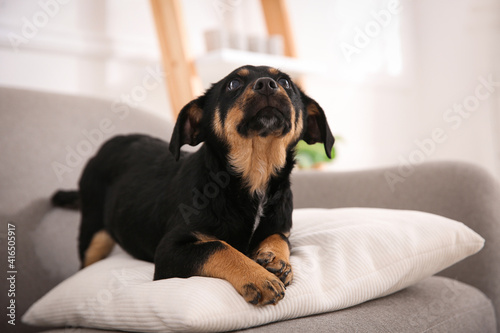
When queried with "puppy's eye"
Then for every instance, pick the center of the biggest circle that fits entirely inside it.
(284, 83)
(234, 84)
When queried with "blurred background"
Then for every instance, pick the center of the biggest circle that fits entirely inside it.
(401, 82)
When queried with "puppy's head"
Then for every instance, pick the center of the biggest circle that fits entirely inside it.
(258, 114)
(249, 102)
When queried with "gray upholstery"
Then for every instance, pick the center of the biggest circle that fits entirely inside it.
(406, 311)
(37, 129)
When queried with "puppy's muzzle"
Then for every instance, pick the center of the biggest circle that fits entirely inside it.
(268, 121)
(268, 110)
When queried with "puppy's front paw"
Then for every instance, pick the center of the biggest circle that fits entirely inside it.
(276, 265)
(264, 289)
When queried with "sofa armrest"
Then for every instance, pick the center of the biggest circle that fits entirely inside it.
(459, 191)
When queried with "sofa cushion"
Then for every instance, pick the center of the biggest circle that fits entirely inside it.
(341, 258)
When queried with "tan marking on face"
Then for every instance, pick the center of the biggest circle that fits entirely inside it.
(273, 71)
(252, 281)
(100, 247)
(257, 158)
(298, 128)
(243, 72)
(217, 124)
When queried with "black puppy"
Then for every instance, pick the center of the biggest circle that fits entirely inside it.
(211, 212)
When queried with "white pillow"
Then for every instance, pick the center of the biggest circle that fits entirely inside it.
(340, 258)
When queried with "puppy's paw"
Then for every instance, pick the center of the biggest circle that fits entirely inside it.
(276, 265)
(263, 289)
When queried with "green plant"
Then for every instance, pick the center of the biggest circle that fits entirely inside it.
(311, 156)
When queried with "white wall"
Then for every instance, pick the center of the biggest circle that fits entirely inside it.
(91, 47)
(392, 93)
(453, 55)
(446, 46)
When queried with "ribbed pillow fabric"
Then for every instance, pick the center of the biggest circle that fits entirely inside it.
(340, 258)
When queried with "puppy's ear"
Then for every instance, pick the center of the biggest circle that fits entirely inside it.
(317, 129)
(187, 129)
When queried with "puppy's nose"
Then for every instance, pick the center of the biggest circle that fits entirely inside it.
(265, 86)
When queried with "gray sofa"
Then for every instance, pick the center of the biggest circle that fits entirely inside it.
(46, 139)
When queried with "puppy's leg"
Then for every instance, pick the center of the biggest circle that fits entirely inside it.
(100, 247)
(94, 243)
(273, 253)
(215, 258)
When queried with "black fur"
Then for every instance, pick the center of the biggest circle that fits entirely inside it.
(154, 206)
